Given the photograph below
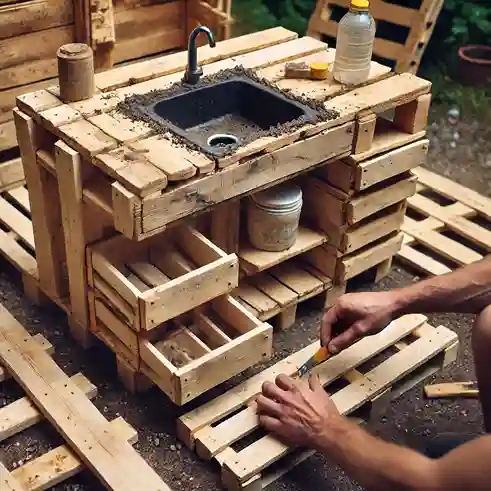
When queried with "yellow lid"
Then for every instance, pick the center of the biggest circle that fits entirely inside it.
(319, 65)
(360, 4)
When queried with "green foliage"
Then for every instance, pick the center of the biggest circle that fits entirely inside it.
(470, 22)
(254, 15)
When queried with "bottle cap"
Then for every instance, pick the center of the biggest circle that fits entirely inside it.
(360, 4)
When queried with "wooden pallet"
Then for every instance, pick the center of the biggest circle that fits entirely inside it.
(17, 238)
(277, 291)
(447, 225)
(419, 23)
(91, 441)
(226, 428)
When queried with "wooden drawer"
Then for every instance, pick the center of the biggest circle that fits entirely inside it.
(205, 348)
(150, 282)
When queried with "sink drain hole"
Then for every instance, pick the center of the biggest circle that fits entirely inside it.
(222, 139)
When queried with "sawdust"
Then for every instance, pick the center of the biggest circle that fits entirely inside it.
(132, 106)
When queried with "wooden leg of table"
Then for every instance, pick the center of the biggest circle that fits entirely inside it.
(383, 269)
(225, 226)
(45, 216)
(286, 318)
(133, 380)
(69, 172)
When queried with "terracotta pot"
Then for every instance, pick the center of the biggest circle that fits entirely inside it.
(475, 64)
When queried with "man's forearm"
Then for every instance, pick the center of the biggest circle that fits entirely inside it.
(376, 464)
(466, 290)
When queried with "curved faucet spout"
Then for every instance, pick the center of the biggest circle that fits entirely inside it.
(193, 70)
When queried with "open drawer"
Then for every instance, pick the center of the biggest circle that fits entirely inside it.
(205, 348)
(150, 282)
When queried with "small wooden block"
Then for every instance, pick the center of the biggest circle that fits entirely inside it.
(364, 132)
(297, 70)
(451, 390)
(413, 116)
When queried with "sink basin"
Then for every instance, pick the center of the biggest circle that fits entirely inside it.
(222, 116)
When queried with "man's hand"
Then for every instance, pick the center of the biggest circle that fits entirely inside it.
(297, 412)
(356, 315)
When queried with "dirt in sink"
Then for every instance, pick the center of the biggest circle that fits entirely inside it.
(132, 108)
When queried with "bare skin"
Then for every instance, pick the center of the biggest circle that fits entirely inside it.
(303, 414)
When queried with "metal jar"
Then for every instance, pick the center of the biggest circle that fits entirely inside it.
(273, 216)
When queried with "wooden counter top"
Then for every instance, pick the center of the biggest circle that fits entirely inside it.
(156, 174)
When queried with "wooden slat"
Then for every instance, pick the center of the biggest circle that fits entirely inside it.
(32, 16)
(31, 57)
(453, 190)
(448, 248)
(22, 413)
(11, 173)
(72, 414)
(254, 260)
(17, 222)
(41, 473)
(20, 196)
(146, 70)
(422, 262)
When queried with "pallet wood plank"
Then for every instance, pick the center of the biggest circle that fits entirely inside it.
(8, 481)
(177, 162)
(22, 413)
(254, 260)
(448, 248)
(79, 422)
(21, 197)
(11, 173)
(459, 224)
(146, 70)
(453, 190)
(17, 222)
(41, 473)
(422, 261)
(70, 178)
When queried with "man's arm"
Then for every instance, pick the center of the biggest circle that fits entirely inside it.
(305, 415)
(466, 290)
(381, 466)
(354, 315)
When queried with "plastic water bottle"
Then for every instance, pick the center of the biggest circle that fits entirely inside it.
(354, 45)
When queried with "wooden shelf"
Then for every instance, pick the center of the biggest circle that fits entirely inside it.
(269, 293)
(253, 260)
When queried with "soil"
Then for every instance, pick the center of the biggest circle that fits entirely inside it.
(410, 420)
(134, 108)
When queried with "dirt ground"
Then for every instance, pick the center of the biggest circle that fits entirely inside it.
(410, 420)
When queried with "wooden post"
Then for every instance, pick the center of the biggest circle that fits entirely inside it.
(50, 251)
(76, 72)
(69, 172)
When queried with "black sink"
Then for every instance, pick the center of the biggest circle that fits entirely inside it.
(224, 115)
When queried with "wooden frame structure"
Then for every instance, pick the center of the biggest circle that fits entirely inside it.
(447, 225)
(93, 173)
(419, 22)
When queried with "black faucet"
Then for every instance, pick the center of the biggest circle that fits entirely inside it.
(193, 70)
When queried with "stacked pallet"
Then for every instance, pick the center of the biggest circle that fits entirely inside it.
(360, 201)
